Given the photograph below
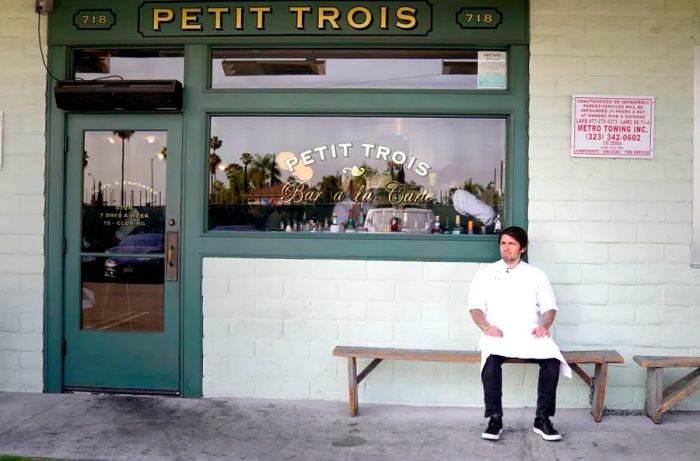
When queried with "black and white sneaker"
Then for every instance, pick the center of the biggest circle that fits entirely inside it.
(494, 429)
(543, 427)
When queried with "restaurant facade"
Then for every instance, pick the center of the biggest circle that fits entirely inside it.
(204, 198)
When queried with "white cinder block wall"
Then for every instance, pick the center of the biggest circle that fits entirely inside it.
(613, 235)
(270, 327)
(22, 99)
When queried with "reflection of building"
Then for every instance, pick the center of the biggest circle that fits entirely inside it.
(266, 195)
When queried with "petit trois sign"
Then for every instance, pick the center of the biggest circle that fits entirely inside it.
(292, 162)
(389, 17)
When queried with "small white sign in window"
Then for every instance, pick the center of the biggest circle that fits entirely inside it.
(492, 70)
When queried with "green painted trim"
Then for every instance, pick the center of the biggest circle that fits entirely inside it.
(518, 183)
(201, 102)
(53, 229)
(196, 64)
(280, 29)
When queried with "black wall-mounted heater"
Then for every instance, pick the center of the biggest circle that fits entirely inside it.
(118, 95)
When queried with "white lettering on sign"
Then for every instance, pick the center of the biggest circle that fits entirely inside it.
(612, 126)
(291, 162)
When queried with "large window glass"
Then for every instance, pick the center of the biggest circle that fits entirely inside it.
(400, 175)
(360, 69)
(134, 64)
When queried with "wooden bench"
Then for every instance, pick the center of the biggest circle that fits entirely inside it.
(660, 400)
(597, 383)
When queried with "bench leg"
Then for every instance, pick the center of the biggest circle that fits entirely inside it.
(352, 385)
(679, 390)
(600, 382)
(655, 387)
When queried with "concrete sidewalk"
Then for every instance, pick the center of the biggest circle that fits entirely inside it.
(78, 426)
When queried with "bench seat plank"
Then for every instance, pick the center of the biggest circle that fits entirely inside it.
(407, 354)
(658, 361)
(597, 382)
(602, 356)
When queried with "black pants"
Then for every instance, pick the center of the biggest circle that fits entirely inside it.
(491, 377)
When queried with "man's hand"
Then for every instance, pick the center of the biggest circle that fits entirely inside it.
(547, 320)
(491, 330)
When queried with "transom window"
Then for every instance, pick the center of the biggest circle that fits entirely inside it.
(134, 64)
(462, 70)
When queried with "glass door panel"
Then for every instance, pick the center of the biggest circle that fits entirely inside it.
(123, 228)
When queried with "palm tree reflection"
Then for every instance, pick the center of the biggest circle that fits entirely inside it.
(123, 135)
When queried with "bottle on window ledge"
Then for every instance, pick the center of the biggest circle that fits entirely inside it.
(351, 223)
(394, 224)
(497, 225)
(470, 227)
(334, 223)
(458, 225)
(436, 226)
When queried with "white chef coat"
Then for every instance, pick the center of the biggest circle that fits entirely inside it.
(513, 300)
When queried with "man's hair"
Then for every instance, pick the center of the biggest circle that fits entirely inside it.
(518, 233)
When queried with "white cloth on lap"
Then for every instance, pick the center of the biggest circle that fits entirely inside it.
(514, 300)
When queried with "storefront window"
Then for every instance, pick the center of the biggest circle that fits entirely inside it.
(400, 175)
(135, 64)
(463, 70)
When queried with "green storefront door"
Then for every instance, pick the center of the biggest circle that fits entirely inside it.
(121, 306)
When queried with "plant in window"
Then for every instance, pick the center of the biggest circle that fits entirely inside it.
(369, 174)
(476, 189)
(392, 169)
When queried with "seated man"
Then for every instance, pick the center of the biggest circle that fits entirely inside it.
(513, 304)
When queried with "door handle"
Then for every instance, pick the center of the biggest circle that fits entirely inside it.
(171, 256)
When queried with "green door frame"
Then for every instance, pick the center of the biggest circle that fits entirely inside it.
(157, 368)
